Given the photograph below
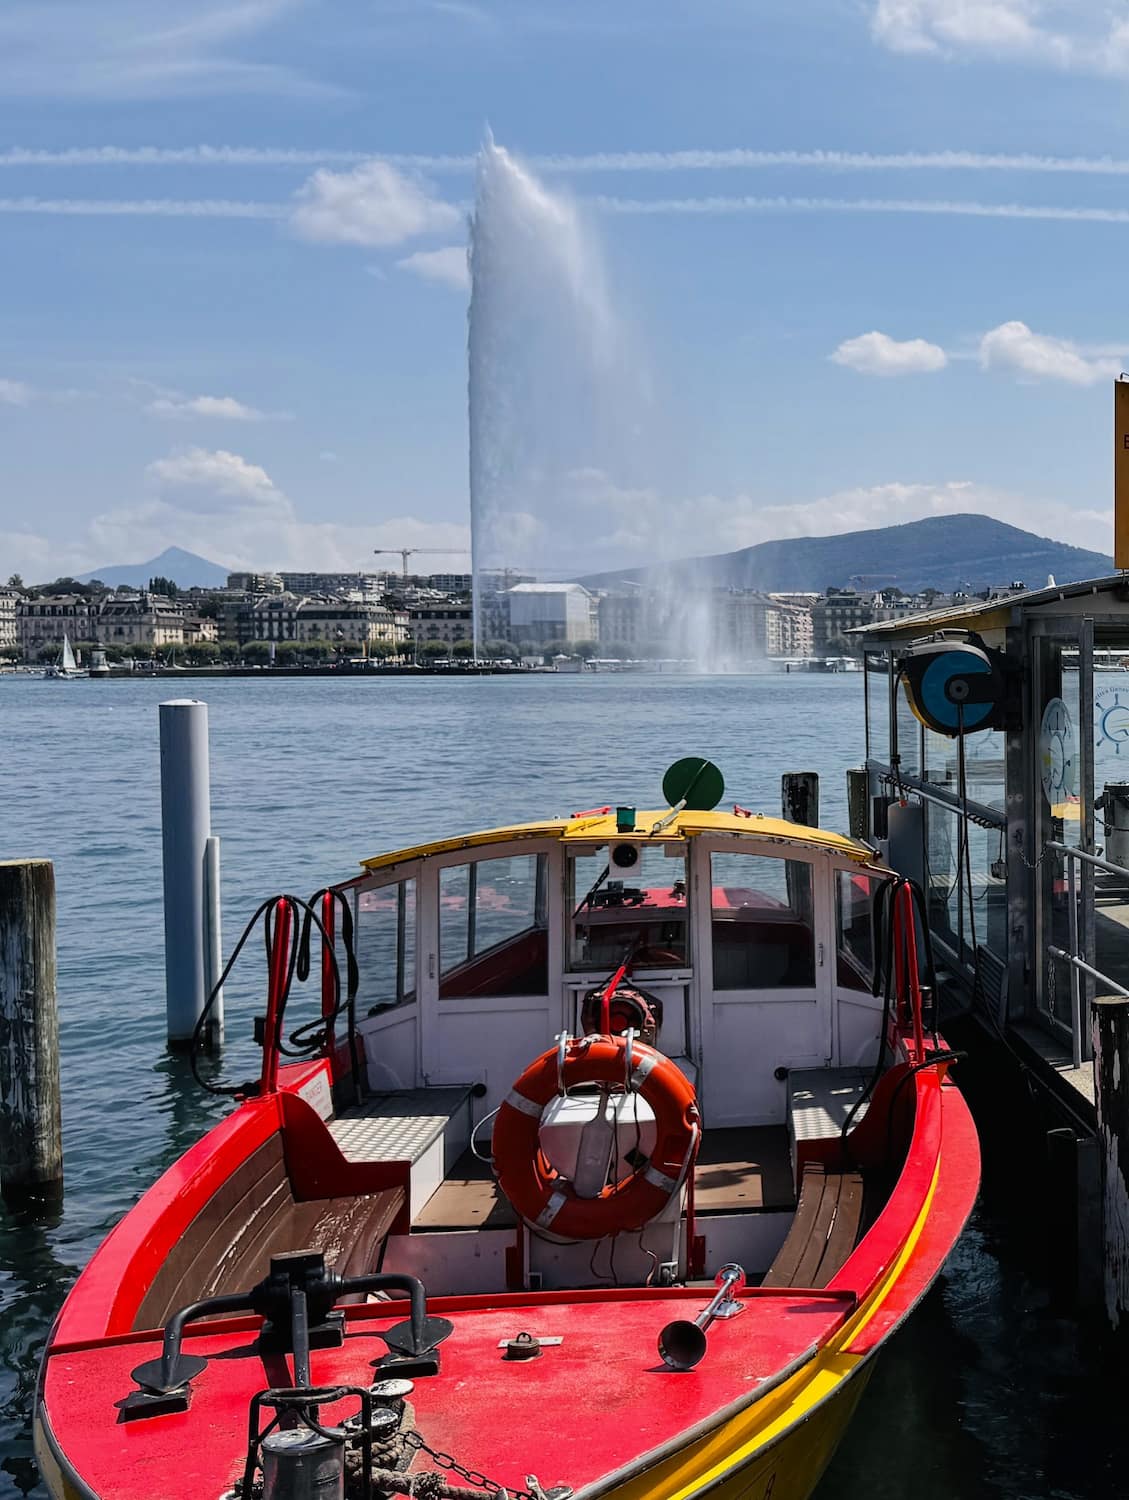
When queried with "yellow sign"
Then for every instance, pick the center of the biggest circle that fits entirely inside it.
(1121, 473)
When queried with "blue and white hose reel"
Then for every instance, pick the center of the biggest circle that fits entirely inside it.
(955, 686)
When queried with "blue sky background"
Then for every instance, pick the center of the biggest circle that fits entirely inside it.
(229, 353)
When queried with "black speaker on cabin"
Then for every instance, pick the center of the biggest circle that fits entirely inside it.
(955, 684)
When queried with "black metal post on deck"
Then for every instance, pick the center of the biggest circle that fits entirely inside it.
(799, 797)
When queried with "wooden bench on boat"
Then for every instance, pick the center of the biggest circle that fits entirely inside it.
(255, 1215)
(826, 1228)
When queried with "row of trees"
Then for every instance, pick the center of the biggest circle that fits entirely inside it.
(92, 590)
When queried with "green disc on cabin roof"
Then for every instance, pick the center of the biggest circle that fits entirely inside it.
(696, 782)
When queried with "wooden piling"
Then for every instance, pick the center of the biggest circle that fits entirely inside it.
(1110, 1029)
(31, 1143)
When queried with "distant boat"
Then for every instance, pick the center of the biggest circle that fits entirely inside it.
(67, 666)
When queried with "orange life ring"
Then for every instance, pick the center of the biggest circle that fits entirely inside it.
(537, 1190)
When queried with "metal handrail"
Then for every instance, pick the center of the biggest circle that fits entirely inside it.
(1091, 859)
(1078, 965)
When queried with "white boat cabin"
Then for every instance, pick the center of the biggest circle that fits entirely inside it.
(750, 938)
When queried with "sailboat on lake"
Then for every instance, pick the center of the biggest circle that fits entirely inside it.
(67, 665)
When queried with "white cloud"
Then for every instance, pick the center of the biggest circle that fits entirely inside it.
(1014, 348)
(141, 49)
(448, 266)
(218, 408)
(373, 205)
(216, 476)
(627, 521)
(224, 507)
(878, 354)
(14, 393)
(1080, 37)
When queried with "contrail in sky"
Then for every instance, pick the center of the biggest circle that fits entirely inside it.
(941, 206)
(228, 208)
(155, 208)
(735, 159)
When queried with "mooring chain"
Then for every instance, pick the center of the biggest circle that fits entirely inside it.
(472, 1476)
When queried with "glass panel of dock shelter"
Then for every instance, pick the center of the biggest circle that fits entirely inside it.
(493, 927)
(629, 900)
(1061, 819)
(909, 736)
(983, 766)
(943, 854)
(877, 690)
(1111, 834)
(385, 942)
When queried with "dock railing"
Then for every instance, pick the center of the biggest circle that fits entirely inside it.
(1076, 957)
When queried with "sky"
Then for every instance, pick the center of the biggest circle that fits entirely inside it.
(871, 253)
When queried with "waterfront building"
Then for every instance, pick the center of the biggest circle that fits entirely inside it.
(451, 583)
(447, 621)
(367, 586)
(267, 617)
(340, 620)
(737, 625)
(118, 619)
(254, 583)
(42, 623)
(200, 628)
(9, 637)
(623, 618)
(788, 629)
(540, 613)
(833, 615)
(142, 619)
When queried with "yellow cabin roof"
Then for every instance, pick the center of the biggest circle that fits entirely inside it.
(601, 827)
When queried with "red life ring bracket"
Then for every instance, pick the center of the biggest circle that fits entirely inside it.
(546, 1199)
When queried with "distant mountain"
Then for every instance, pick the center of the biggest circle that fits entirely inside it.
(185, 569)
(967, 552)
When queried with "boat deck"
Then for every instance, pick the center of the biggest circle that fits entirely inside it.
(738, 1170)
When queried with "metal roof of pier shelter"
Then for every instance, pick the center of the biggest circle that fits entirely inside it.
(1024, 873)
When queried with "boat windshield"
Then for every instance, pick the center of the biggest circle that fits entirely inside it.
(628, 900)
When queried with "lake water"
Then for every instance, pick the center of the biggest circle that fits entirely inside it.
(985, 1393)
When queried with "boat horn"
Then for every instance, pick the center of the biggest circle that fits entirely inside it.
(683, 1343)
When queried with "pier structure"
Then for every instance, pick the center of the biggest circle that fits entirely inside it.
(1019, 835)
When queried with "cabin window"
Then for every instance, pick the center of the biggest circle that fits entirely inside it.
(494, 927)
(762, 923)
(629, 902)
(385, 941)
(854, 912)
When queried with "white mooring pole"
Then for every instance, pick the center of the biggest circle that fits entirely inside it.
(185, 829)
(31, 1144)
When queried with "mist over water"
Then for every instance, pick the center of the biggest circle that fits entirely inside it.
(564, 437)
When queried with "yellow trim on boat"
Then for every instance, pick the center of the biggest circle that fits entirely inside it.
(730, 1450)
(600, 827)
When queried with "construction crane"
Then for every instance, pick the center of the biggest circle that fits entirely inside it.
(406, 552)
